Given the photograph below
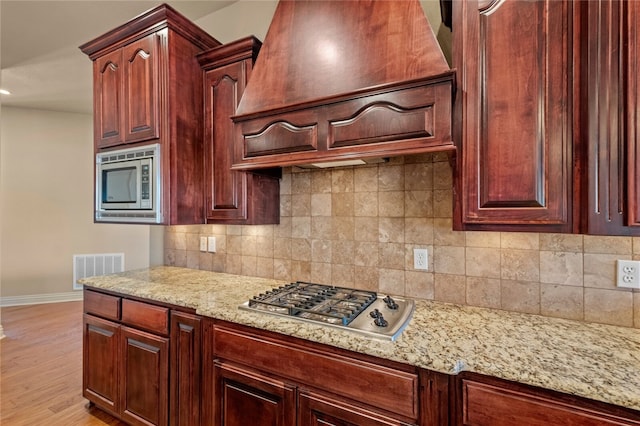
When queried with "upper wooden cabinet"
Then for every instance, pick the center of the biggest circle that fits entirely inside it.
(232, 197)
(148, 89)
(514, 119)
(631, 19)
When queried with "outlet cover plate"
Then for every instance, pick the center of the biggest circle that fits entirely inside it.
(628, 273)
(421, 259)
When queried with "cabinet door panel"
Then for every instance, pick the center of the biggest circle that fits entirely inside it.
(144, 377)
(108, 94)
(140, 60)
(516, 112)
(633, 111)
(247, 397)
(100, 362)
(185, 372)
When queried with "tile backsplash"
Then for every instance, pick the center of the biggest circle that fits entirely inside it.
(358, 226)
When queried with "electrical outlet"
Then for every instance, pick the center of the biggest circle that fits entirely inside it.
(203, 243)
(420, 259)
(629, 273)
(212, 245)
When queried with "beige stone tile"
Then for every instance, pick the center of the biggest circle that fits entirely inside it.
(561, 242)
(175, 257)
(264, 267)
(301, 249)
(300, 205)
(418, 177)
(418, 230)
(301, 182)
(608, 306)
(520, 265)
(250, 266)
(205, 262)
(600, 270)
(249, 243)
(636, 245)
(450, 288)
(181, 228)
(442, 175)
(234, 230)
(365, 179)
(483, 292)
(562, 301)
(418, 204)
(321, 181)
(219, 262)
(320, 205)
(391, 178)
(449, 260)
(321, 227)
(285, 205)
(342, 180)
(234, 264)
(321, 273)
(234, 244)
(560, 267)
(482, 262)
(365, 278)
(284, 228)
(419, 284)
(285, 182)
(520, 296)
(443, 203)
(636, 309)
(193, 259)
(444, 235)
(391, 255)
(520, 240)
(282, 248)
(249, 230)
(342, 252)
(342, 275)
(365, 204)
(366, 254)
(177, 241)
(282, 269)
(391, 230)
(320, 251)
(607, 245)
(300, 227)
(264, 246)
(482, 239)
(391, 204)
(342, 204)
(343, 228)
(391, 281)
(366, 229)
(300, 270)
(216, 229)
(193, 241)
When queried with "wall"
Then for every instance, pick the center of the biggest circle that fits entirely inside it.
(358, 227)
(46, 193)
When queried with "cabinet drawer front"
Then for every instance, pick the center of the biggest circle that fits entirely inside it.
(145, 316)
(378, 386)
(102, 305)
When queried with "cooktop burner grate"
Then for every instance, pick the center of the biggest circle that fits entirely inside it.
(334, 305)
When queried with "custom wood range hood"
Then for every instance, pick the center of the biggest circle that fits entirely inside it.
(341, 81)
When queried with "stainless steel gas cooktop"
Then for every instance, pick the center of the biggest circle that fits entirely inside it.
(362, 311)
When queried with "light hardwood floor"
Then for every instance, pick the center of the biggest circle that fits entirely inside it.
(41, 368)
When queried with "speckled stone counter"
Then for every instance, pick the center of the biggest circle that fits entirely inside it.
(591, 360)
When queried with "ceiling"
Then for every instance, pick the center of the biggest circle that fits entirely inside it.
(40, 62)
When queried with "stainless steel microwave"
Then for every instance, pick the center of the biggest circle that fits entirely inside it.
(128, 185)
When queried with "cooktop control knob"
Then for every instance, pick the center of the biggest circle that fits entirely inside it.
(391, 304)
(380, 321)
(375, 314)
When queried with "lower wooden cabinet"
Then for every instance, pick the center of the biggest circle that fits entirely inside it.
(185, 369)
(101, 366)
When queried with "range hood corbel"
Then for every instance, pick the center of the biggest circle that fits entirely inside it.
(339, 80)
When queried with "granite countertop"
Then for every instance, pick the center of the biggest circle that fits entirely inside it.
(595, 361)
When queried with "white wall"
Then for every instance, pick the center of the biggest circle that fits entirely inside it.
(46, 197)
(240, 19)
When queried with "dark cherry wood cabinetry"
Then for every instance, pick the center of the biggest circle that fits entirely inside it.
(148, 89)
(185, 369)
(232, 197)
(491, 402)
(631, 32)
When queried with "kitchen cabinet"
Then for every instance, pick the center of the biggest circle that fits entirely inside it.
(514, 114)
(232, 197)
(631, 33)
(185, 368)
(492, 402)
(147, 89)
(271, 372)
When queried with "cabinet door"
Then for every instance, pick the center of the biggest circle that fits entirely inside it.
(226, 190)
(321, 410)
(100, 360)
(144, 378)
(108, 94)
(140, 103)
(514, 61)
(632, 34)
(185, 369)
(245, 397)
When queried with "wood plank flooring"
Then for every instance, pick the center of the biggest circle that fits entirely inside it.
(41, 368)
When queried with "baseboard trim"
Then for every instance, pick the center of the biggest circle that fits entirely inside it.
(36, 299)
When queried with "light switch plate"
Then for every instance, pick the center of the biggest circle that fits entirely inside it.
(203, 243)
(211, 242)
